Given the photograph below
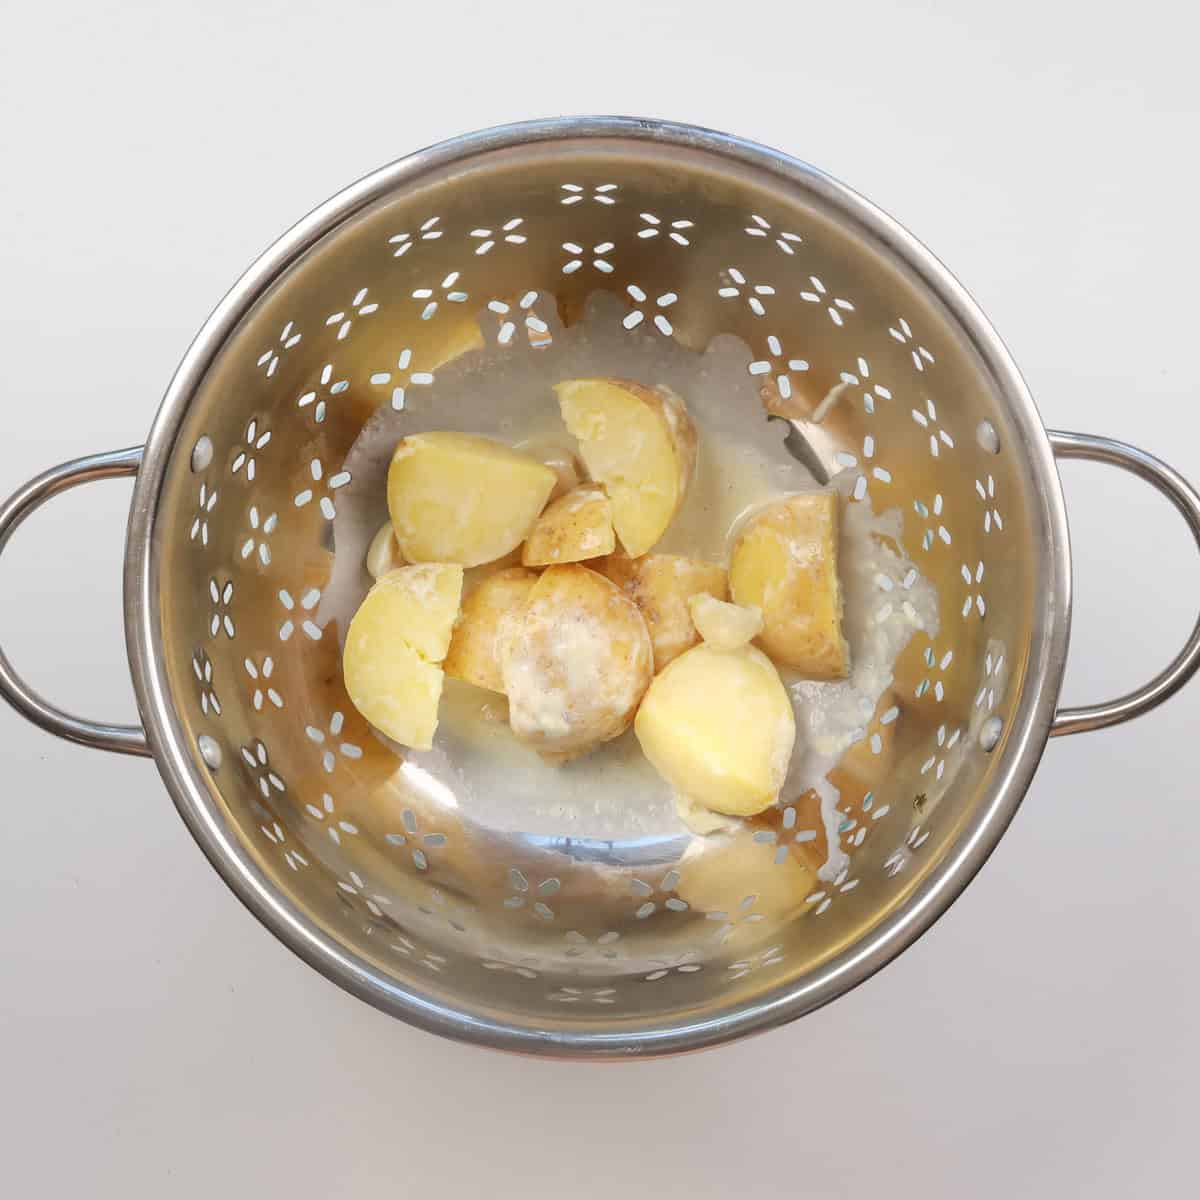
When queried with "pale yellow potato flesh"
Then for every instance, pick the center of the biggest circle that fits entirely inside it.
(394, 646)
(573, 528)
(719, 727)
(554, 453)
(638, 442)
(785, 563)
(575, 660)
(472, 655)
(383, 554)
(458, 498)
(722, 625)
(661, 585)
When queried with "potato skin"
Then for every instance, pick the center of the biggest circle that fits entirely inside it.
(575, 661)
(661, 586)
(785, 563)
(472, 655)
(638, 442)
(574, 528)
(456, 497)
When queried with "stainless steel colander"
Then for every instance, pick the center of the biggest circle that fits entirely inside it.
(526, 917)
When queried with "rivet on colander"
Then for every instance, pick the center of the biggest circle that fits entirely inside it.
(202, 454)
(989, 735)
(210, 751)
(987, 437)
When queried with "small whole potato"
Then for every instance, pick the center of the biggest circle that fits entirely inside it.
(785, 563)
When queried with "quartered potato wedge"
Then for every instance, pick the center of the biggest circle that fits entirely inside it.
(638, 442)
(458, 498)
(394, 648)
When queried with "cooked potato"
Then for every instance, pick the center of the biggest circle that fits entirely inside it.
(731, 870)
(785, 563)
(457, 498)
(618, 567)
(395, 642)
(383, 554)
(575, 661)
(640, 444)
(555, 454)
(661, 587)
(722, 625)
(472, 654)
(574, 528)
(719, 728)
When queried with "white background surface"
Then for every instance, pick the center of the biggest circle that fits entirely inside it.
(1040, 1041)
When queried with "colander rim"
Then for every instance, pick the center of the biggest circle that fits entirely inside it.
(185, 776)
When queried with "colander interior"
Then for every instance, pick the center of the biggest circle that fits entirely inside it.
(422, 300)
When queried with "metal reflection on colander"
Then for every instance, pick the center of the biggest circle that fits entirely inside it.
(498, 914)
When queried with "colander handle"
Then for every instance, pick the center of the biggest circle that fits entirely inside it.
(123, 739)
(1187, 500)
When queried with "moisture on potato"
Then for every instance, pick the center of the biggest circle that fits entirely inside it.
(640, 444)
(785, 563)
(661, 586)
(458, 498)
(719, 727)
(575, 660)
(574, 528)
(394, 646)
(472, 655)
(722, 625)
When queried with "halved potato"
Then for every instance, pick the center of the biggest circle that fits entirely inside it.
(785, 563)
(454, 497)
(575, 661)
(395, 642)
(719, 727)
(472, 655)
(639, 443)
(574, 528)
(722, 625)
